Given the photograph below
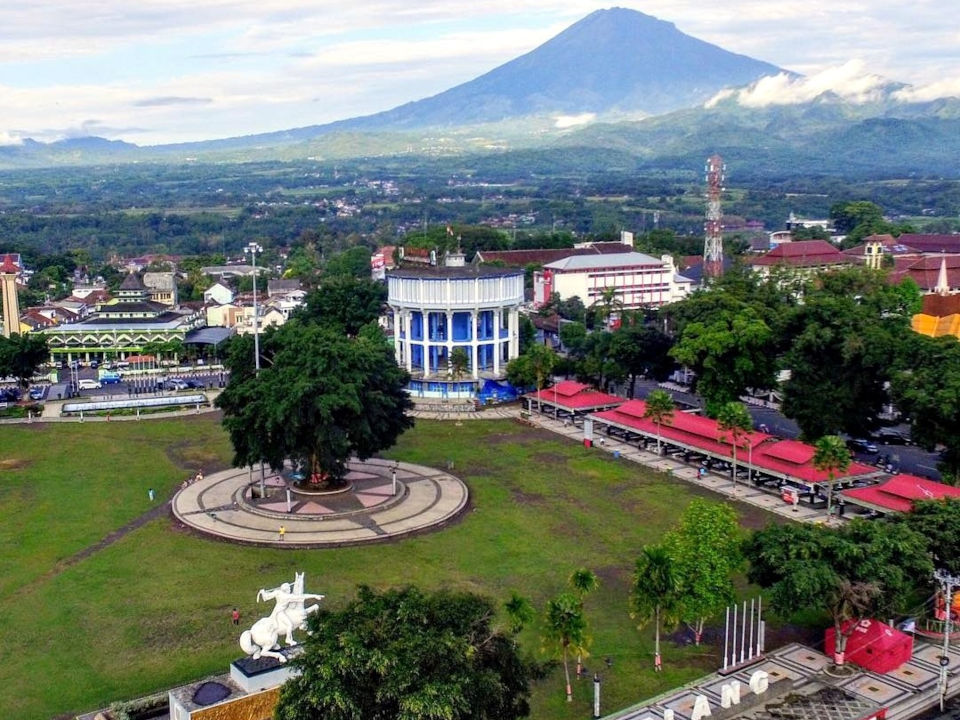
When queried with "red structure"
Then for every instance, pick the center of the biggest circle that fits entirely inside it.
(713, 241)
(873, 645)
(789, 460)
(899, 493)
(572, 398)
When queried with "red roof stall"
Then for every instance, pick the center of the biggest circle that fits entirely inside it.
(788, 459)
(899, 493)
(873, 645)
(574, 397)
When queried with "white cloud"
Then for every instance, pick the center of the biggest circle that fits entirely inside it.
(850, 81)
(196, 69)
(562, 122)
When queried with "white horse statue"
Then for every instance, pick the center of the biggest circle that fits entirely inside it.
(289, 614)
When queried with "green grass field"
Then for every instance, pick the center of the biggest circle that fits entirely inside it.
(86, 622)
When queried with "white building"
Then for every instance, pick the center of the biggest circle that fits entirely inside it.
(638, 280)
(439, 309)
(218, 293)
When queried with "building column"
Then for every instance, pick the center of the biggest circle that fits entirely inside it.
(475, 345)
(398, 354)
(407, 322)
(496, 342)
(514, 324)
(448, 343)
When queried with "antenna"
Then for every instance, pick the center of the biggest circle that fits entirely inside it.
(713, 241)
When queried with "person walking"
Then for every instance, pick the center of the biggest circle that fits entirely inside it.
(235, 615)
(283, 531)
(150, 494)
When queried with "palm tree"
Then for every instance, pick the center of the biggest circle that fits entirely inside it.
(519, 611)
(656, 592)
(543, 360)
(566, 630)
(659, 408)
(583, 581)
(831, 456)
(608, 304)
(459, 364)
(734, 418)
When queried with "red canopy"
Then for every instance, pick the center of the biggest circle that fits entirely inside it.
(873, 645)
(899, 493)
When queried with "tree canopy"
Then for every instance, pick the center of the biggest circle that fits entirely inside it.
(860, 570)
(705, 547)
(407, 655)
(21, 354)
(320, 397)
(938, 521)
(346, 302)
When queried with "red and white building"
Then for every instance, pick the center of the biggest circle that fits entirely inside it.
(638, 280)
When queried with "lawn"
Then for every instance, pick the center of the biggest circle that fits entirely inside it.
(151, 610)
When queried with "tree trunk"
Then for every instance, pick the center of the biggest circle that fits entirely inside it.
(734, 466)
(658, 438)
(840, 646)
(656, 638)
(566, 674)
(698, 631)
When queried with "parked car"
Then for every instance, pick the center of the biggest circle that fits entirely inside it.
(37, 393)
(88, 384)
(110, 378)
(94, 364)
(889, 436)
(861, 445)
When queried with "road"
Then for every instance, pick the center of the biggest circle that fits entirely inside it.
(906, 458)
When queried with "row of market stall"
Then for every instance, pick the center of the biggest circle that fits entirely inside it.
(761, 458)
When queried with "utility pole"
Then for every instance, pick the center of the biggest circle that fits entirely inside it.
(949, 582)
(252, 249)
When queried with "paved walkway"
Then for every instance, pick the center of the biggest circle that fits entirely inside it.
(221, 505)
(721, 484)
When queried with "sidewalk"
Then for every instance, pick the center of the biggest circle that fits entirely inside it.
(720, 484)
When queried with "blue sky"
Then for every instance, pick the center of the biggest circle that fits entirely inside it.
(162, 71)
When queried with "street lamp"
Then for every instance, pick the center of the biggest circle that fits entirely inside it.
(254, 248)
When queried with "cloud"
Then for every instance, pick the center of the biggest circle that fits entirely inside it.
(562, 122)
(949, 87)
(849, 81)
(172, 100)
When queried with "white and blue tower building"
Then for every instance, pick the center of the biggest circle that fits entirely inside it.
(439, 309)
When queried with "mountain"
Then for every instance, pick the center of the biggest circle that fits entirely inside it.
(612, 61)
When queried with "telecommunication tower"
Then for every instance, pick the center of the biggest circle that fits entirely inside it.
(713, 243)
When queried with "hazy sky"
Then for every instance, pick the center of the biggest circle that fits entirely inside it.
(157, 71)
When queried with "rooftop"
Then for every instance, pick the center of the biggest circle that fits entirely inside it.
(614, 260)
(802, 253)
(439, 273)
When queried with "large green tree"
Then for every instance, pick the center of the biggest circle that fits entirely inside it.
(21, 355)
(533, 368)
(320, 397)
(346, 302)
(655, 592)
(730, 351)
(641, 350)
(927, 389)
(705, 548)
(406, 655)
(844, 341)
(860, 570)
(939, 522)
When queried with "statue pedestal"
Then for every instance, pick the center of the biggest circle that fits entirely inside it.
(255, 675)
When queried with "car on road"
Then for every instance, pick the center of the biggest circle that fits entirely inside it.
(88, 384)
(110, 378)
(861, 445)
(890, 436)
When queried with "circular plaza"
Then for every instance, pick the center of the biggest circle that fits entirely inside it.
(384, 499)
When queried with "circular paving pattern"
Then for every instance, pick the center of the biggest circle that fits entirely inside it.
(227, 505)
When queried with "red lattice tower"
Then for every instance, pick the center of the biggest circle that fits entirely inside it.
(713, 242)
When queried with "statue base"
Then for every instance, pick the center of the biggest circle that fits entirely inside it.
(255, 675)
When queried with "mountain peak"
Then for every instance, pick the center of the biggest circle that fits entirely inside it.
(612, 61)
